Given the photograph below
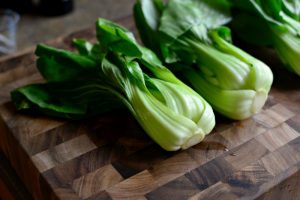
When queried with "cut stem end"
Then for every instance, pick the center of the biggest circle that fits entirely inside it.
(259, 101)
(195, 139)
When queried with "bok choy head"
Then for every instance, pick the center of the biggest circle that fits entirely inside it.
(117, 72)
(279, 22)
(192, 33)
(171, 113)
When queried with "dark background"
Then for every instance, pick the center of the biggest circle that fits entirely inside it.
(35, 27)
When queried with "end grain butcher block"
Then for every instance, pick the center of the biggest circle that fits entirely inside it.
(109, 157)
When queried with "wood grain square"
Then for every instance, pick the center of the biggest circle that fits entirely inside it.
(245, 154)
(288, 189)
(63, 152)
(127, 134)
(210, 173)
(276, 181)
(280, 160)
(277, 137)
(172, 168)
(136, 186)
(293, 102)
(211, 147)
(25, 59)
(295, 144)
(84, 164)
(13, 78)
(63, 193)
(97, 181)
(242, 132)
(126, 170)
(13, 75)
(222, 123)
(26, 127)
(274, 116)
(217, 191)
(100, 196)
(4, 97)
(248, 180)
(271, 101)
(178, 189)
(141, 160)
(53, 137)
(294, 123)
(16, 74)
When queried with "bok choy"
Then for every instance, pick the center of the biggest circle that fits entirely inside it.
(116, 72)
(191, 37)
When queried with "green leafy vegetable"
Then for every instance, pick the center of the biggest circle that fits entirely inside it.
(277, 20)
(190, 35)
(116, 73)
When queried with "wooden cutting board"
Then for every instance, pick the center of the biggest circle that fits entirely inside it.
(110, 157)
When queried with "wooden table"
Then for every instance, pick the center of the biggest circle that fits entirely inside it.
(110, 157)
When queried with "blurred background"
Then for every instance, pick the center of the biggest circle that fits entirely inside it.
(42, 20)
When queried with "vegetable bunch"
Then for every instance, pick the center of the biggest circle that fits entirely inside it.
(279, 25)
(116, 72)
(191, 38)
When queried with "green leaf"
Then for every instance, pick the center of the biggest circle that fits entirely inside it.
(65, 57)
(190, 20)
(147, 15)
(39, 94)
(116, 38)
(181, 16)
(292, 8)
(92, 51)
(272, 7)
(69, 100)
(151, 62)
(84, 47)
(59, 65)
(224, 32)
